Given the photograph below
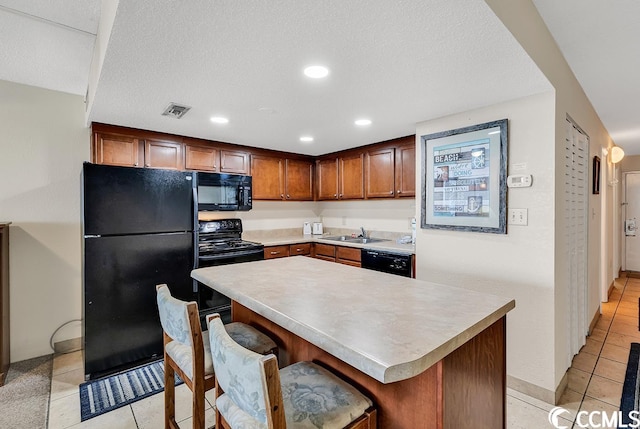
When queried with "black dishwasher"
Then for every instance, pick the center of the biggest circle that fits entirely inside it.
(387, 262)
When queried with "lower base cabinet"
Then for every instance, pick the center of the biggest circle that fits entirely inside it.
(348, 256)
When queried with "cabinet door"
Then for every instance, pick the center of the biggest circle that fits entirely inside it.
(163, 154)
(327, 179)
(232, 161)
(300, 249)
(380, 173)
(111, 149)
(324, 251)
(273, 252)
(352, 177)
(267, 173)
(201, 158)
(298, 180)
(406, 171)
(348, 256)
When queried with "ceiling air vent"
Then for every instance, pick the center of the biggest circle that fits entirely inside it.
(175, 110)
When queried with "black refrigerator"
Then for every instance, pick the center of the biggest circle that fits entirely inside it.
(138, 230)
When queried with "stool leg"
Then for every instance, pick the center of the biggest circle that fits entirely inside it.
(169, 395)
(198, 403)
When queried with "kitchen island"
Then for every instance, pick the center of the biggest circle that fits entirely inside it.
(428, 355)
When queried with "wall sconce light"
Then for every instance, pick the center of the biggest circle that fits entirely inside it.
(616, 154)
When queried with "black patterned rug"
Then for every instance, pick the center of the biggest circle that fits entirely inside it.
(115, 391)
(631, 389)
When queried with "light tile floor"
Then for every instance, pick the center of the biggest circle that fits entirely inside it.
(595, 380)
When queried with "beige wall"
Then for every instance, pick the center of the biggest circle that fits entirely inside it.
(517, 265)
(524, 22)
(44, 143)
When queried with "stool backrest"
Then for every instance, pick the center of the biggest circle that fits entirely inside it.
(249, 379)
(174, 316)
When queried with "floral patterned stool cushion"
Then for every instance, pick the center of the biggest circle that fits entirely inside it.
(250, 338)
(245, 335)
(314, 398)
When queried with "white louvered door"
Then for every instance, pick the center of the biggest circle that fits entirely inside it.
(576, 209)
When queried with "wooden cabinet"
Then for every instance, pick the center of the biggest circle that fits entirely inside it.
(324, 251)
(127, 151)
(163, 154)
(298, 180)
(341, 178)
(202, 158)
(114, 149)
(268, 177)
(272, 252)
(380, 173)
(406, 170)
(281, 179)
(327, 179)
(233, 161)
(300, 249)
(390, 172)
(5, 355)
(348, 256)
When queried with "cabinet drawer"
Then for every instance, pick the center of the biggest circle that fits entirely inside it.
(325, 250)
(348, 253)
(300, 249)
(348, 256)
(272, 252)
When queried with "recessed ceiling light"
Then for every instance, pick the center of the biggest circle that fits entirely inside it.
(306, 139)
(219, 120)
(316, 72)
(363, 122)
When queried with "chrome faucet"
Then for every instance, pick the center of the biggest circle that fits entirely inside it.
(364, 233)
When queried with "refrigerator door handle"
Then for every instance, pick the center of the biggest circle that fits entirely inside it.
(195, 233)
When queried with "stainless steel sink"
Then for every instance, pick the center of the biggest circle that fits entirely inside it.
(349, 239)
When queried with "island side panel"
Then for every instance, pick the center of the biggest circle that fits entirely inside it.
(415, 403)
(474, 381)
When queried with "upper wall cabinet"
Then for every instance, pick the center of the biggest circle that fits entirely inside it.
(276, 178)
(267, 177)
(390, 172)
(234, 161)
(341, 178)
(201, 157)
(113, 149)
(163, 154)
(380, 173)
(406, 170)
(298, 180)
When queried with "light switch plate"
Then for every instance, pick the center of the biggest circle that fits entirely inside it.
(518, 217)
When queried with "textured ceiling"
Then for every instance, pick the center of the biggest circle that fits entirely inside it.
(397, 63)
(600, 40)
(48, 43)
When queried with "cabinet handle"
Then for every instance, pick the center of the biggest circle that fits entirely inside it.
(298, 250)
(390, 192)
(274, 253)
(399, 191)
(135, 165)
(288, 196)
(146, 165)
(335, 195)
(281, 195)
(340, 195)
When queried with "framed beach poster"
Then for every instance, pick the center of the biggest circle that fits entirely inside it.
(464, 179)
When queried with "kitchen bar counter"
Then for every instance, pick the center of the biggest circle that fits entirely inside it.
(387, 245)
(429, 355)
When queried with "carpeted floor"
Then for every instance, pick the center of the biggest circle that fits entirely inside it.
(24, 398)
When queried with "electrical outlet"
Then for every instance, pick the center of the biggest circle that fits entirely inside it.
(518, 217)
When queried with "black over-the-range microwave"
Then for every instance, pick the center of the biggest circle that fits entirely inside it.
(223, 192)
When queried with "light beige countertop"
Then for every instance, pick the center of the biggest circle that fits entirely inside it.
(389, 327)
(388, 245)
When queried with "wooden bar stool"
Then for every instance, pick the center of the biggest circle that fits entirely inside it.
(252, 393)
(186, 352)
